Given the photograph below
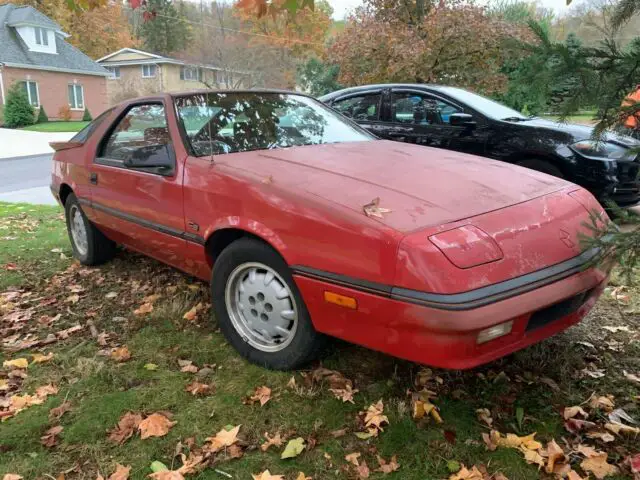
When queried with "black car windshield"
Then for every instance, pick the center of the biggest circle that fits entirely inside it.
(228, 122)
(484, 105)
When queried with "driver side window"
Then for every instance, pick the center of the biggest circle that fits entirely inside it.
(141, 133)
(362, 107)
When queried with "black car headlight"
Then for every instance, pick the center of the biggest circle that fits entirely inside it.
(600, 150)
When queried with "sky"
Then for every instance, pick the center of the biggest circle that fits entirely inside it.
(343, 7)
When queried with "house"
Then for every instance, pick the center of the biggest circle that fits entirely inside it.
(134, 73)
(53, 73)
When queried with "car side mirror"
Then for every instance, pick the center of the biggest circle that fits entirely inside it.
(461, 120)
(159, 156)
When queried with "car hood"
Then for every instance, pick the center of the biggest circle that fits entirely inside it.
(577, 132)
(421, 186)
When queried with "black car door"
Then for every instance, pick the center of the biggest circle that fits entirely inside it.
(423, 118)
(364, 108)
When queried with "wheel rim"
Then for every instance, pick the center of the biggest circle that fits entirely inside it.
(261, 307)
(78, 230)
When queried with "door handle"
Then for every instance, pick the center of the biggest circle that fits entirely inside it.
(93, 178)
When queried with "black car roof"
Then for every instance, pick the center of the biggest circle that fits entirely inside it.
(365, 88)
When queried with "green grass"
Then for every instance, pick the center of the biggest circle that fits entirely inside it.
(57, 127)
(583, 118)
(101, 390)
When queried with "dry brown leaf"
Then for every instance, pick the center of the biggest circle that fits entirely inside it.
(555, 454)
(46, 390)
(597, 464)
(276, 441)
(155, 425)
(224, 438)
(166, 475)
(353, 458)
(484, 415)
(339, 433)
(16, 363)
(121, 473)
(39, 358)
(235, 451)
(387, 467)
(193, 312)
(465, 474)
(192, 464)
(302, 476)
(197, 388)
(574, 425)
(532, 456)
(187, 366)
(570, 412)
(57, 412)
(266, 475)
(144, 309)
(619, 428)
(373, 209)
(127, 425)
(261, 394)
(603, 403)
(345, 394)
(572, 475)
(424, 407)
(374, 418)
(363, 470)
(604, 436)
(50, 437)
(120, 354)
(11, 476)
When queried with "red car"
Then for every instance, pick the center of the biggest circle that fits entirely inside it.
(308, 226)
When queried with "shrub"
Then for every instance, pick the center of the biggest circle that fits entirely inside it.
(42, 116)
(87, 116)
(64, 113)
(18, 112)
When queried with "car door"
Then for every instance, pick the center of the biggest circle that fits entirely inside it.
(141, 207)
(425, 119)
(364, 108)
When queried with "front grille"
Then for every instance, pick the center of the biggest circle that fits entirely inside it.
(554, 312)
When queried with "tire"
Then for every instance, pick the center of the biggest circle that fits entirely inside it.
(95, 248)
(542, 166)
(247, 285)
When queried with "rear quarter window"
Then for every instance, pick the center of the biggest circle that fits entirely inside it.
(83, 135)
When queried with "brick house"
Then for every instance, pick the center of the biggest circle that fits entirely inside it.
(135, 72)
(52, 72)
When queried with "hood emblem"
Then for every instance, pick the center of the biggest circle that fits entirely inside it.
(565, 237)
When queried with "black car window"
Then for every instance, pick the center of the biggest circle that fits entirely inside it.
(417, 109)
(446, 110)
(141, 134)
(361, 107)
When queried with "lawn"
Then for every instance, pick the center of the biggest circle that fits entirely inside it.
(583, 118)
(85, 317)
(57, 127)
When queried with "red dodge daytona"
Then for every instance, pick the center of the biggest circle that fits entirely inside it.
(307, 227)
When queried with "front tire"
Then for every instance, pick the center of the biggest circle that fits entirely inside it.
(259, 308)
(89, 244)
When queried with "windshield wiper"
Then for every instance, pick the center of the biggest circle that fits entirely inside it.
(515, 119)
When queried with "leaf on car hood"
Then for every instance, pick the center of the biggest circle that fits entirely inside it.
(373, 209)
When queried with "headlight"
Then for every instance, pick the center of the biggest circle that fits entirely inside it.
(601, 150)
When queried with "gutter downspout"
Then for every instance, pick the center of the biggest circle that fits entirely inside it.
(1, 85)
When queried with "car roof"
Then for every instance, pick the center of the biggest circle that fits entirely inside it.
(374, 86)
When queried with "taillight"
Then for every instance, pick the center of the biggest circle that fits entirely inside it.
(467, 246)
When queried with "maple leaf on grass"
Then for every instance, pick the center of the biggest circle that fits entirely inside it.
(261, 394)
(144, 309)
(374, 418)
(187, 366)
(570, 412)
(224, 438)
(596, 463)
(302, 476)
(11, 476)
(555, 455)
(353, 458)
(266, 475)
(127, 425)
(197, 388)
(294, 448)
(40, 358)
(155, 425)
(120, 354)
(16, 363)
(465, 474)
(50, 437)
(484, 415)
(121, 473)
(387, 467)
(57, 412)
(276, 441)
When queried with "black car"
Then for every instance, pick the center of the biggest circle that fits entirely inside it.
(456, 119)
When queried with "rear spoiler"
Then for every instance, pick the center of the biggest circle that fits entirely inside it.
(57, 146)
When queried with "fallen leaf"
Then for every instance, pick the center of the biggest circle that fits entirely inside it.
(532, 456)
(261, 394)
(121, 473)
(555, 454)
(72, 299)
(603, 403)
(150, 366)
(127, 425)
(574, 425)
(57, 412)
(50, 437)
(345, 394)
(363, 470)
(11, 476)
(302, 476)
(39, 358)
(293, 448)
(46, 390)
(16, 363)
(266, 475)
(373, 209)
(339, 433)
(144, 308)
(155, 425)
(193, 312)
(631, 377)
(619, 428)
(466, 474)
(166, 475)
(604, 436)
(570, 412)
(353, 458)
(387, 467)
(187, 366)
(597, 464)
(276, 441)
(197, 388)
(224, 438)
(374, 418)
(572, 475)
(120, 354)
(484, 415)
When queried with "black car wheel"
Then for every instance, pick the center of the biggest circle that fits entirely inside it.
(89, 244)
(259, 308)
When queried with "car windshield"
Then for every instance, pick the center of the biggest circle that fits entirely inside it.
(484, 105)
(217, 122)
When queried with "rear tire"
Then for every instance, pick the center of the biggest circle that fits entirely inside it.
(89, 244)
(259, 308)
(542, 166)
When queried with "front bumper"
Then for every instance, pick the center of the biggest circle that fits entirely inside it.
(611, 181)
(448, 338)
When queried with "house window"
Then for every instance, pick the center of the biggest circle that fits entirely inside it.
(190, 73)
(31, 90)
(115, 72)
(42, 38)
(148, 71)
(76, 96)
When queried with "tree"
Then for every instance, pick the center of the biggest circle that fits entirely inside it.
(86, 116)
(165, 30)
(18, 112)
(454, 42)
(603, 75)
(317, 77)
(42, 115)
